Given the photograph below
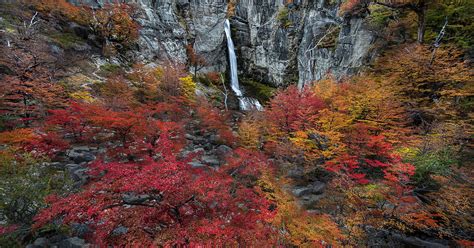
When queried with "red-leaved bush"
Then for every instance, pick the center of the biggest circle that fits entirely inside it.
(167, 202)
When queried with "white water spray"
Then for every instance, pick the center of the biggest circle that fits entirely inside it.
(245, 103)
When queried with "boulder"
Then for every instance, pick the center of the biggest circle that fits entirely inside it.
(73, 242)
(132, 198)
(80, 229)
(80, 175)
(41, 242)
(223, 150)
(318, 187)
(210, 160)
(296, 173)
(215, 139)
(81, 155)
(119, 231)
(189, 136)
(57, 238)
(71, 168)
(196, 164)
(315, 188)
(310, 201)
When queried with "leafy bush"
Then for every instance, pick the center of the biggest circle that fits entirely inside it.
(67, 40)
(189, 86)
(283, 17)
(24, 182)
(432, 163)
(262, 91)
(113, 23)
(109, 69)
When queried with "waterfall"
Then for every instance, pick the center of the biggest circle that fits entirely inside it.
(245, 103)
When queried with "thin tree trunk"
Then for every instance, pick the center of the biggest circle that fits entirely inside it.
(421, 23)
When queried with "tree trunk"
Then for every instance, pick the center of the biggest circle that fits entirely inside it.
(421, 23)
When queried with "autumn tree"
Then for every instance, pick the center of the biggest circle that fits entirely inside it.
(117, 94)
(114, 23)
(196, 61)
(298, 226)
(432, 89)
(28, 67)
(214, 119)
(292, 110)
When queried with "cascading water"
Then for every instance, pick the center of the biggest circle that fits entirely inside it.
(245, 103)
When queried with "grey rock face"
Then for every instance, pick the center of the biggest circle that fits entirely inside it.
(349, 52)
(276, 43)
(303, 41)
(169, 26)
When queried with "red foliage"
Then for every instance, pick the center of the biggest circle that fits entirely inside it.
(293, 110)
(47, 144)
(370, 157)
(168, 203)
(215, 77)
(213, 119)
(127, 134)
(72, 121)
(4, 230)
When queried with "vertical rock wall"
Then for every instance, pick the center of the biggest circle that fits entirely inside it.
(277, 42)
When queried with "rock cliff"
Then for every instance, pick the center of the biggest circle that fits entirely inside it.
(277, 42)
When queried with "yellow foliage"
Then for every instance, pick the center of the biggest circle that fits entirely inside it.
(333, 121)
(249, 134)
(188, 86)
(84, 96)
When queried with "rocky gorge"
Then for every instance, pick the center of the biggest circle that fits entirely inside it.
(240, 123)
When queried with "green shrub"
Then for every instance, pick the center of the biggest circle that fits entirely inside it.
(24, 182)
(261, 91)
(109, 69)
(460, 28)
(10, 241)
(432, 163)
(283, 17)
(66, 40)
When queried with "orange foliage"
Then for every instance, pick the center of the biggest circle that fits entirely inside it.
(432, 89)
(113, 23)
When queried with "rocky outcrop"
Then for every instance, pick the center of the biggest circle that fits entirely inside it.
(277, 43)
(168, 27)
(59, 241)
(302, 41)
